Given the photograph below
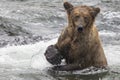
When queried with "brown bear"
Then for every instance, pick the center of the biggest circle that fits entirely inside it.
(79, 42)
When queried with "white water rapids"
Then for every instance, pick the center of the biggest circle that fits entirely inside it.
(32, 55)
(27, 27)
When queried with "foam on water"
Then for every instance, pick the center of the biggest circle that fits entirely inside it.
(32, 55)
(110, 15)
(112, 52)
(113, 55)
(26, 55)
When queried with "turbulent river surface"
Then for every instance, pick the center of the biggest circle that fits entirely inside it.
(27, 27)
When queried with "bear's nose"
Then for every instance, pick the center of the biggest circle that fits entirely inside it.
(80, 28)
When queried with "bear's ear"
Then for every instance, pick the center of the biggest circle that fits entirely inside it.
(68, 7)
(95, 11)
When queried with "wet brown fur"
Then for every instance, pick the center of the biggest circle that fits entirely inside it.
(84, 48)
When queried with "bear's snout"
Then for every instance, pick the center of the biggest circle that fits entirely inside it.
(80, 28)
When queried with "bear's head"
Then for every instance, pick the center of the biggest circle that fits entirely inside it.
(80, 17)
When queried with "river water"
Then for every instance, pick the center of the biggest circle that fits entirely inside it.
(27, 27)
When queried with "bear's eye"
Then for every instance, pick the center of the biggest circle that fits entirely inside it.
(86, 19)
(76, 17)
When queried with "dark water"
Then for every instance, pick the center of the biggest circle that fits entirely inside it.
(28, 21)
(34, 21)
